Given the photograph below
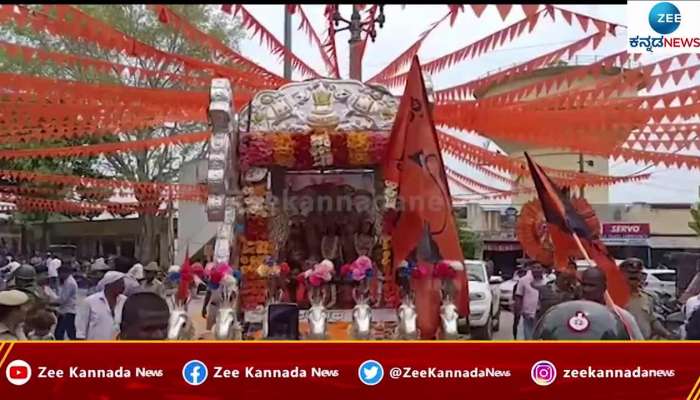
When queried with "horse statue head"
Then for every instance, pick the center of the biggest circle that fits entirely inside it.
(449, 318)
(408, 319)
(361, 315)
(227, 326)
(317, 314)
(179, 325)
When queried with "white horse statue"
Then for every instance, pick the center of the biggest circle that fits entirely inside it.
(179, 325)
(227, 326)
(448, 318)
(408, 319)
(361, 315)
(318, 316)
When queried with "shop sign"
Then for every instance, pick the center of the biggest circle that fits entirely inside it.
(626, 230)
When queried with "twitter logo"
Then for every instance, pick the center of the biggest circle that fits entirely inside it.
(370, 372)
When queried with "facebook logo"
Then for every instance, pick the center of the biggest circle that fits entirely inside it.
(195, 372)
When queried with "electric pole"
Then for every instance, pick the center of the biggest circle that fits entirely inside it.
(356, 27)
(287, 43)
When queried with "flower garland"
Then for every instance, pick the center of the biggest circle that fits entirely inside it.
(314, 149)
(254, 201)
(358, 148)
(282, 149)
(321, 150)
(339, 148)
(302, 152)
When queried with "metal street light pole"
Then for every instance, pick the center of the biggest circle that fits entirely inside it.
(356, 27)
(287, 43)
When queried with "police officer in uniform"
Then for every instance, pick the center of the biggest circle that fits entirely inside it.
(580, 320)
(25, 280)
(13, 304)
(641, 303)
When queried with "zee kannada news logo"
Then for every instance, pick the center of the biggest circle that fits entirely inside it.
(664, 18)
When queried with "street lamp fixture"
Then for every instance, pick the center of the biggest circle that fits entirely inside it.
(356, 26)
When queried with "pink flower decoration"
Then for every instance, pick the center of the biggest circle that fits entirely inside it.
(421, 271)
(325, 266)
(315, 280)
(363, 262)
(284, 269)
(443, 270)
(358, 274)
(346, 269)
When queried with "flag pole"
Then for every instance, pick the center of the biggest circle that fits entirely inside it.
(608, 300)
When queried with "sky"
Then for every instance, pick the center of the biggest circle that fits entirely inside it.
(404, 25)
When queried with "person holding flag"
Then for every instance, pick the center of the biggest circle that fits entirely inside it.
(572, 237)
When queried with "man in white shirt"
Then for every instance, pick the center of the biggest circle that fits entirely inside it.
(527, 298)
(66, 300)
(99, 315)
(691, 305)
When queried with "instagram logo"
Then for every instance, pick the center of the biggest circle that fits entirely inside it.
(543, 373)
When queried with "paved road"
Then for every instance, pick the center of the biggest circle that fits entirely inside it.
(506, 331)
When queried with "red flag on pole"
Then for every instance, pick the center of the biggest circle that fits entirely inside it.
(186, 277)
(570, 233)
(425, 220)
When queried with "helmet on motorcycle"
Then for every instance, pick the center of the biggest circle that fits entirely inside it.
(580, 320)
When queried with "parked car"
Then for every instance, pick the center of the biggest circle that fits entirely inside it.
(660, 281)
(484, 304)
(506, 293)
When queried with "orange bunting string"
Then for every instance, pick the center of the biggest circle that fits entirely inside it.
(71, 23)
(172, 19)
(460, 92)
(105, 148)
(406, 56)
(329, 43)
(275, 46)
(144, 189)
(306, 27)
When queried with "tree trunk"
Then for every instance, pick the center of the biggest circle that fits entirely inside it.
(146, 248)
(45, 233)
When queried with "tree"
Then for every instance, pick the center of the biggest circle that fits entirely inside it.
(470, 242)
(140, 22)
(694, 224)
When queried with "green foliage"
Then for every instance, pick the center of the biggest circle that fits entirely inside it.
(694, 224)
(470, 242)
(138, 21)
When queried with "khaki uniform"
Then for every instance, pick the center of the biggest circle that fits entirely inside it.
(156, 287)
(641, 306)
(7, 335)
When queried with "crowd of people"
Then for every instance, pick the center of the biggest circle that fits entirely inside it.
(40, 299)
(539, 301)
(49, 298)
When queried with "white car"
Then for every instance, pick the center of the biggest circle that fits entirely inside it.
(484, 305)
(660, 280)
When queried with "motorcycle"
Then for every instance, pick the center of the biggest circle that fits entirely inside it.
(668, 310)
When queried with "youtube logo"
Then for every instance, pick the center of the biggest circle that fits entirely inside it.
(18, 372)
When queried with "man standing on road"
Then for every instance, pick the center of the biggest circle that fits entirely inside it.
(517, 276)
(527, 298)
(594, 283)
(641, 304)
(66, 300)
(151, 283)
(100, 314)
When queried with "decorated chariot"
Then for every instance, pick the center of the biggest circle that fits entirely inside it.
(294, 180)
